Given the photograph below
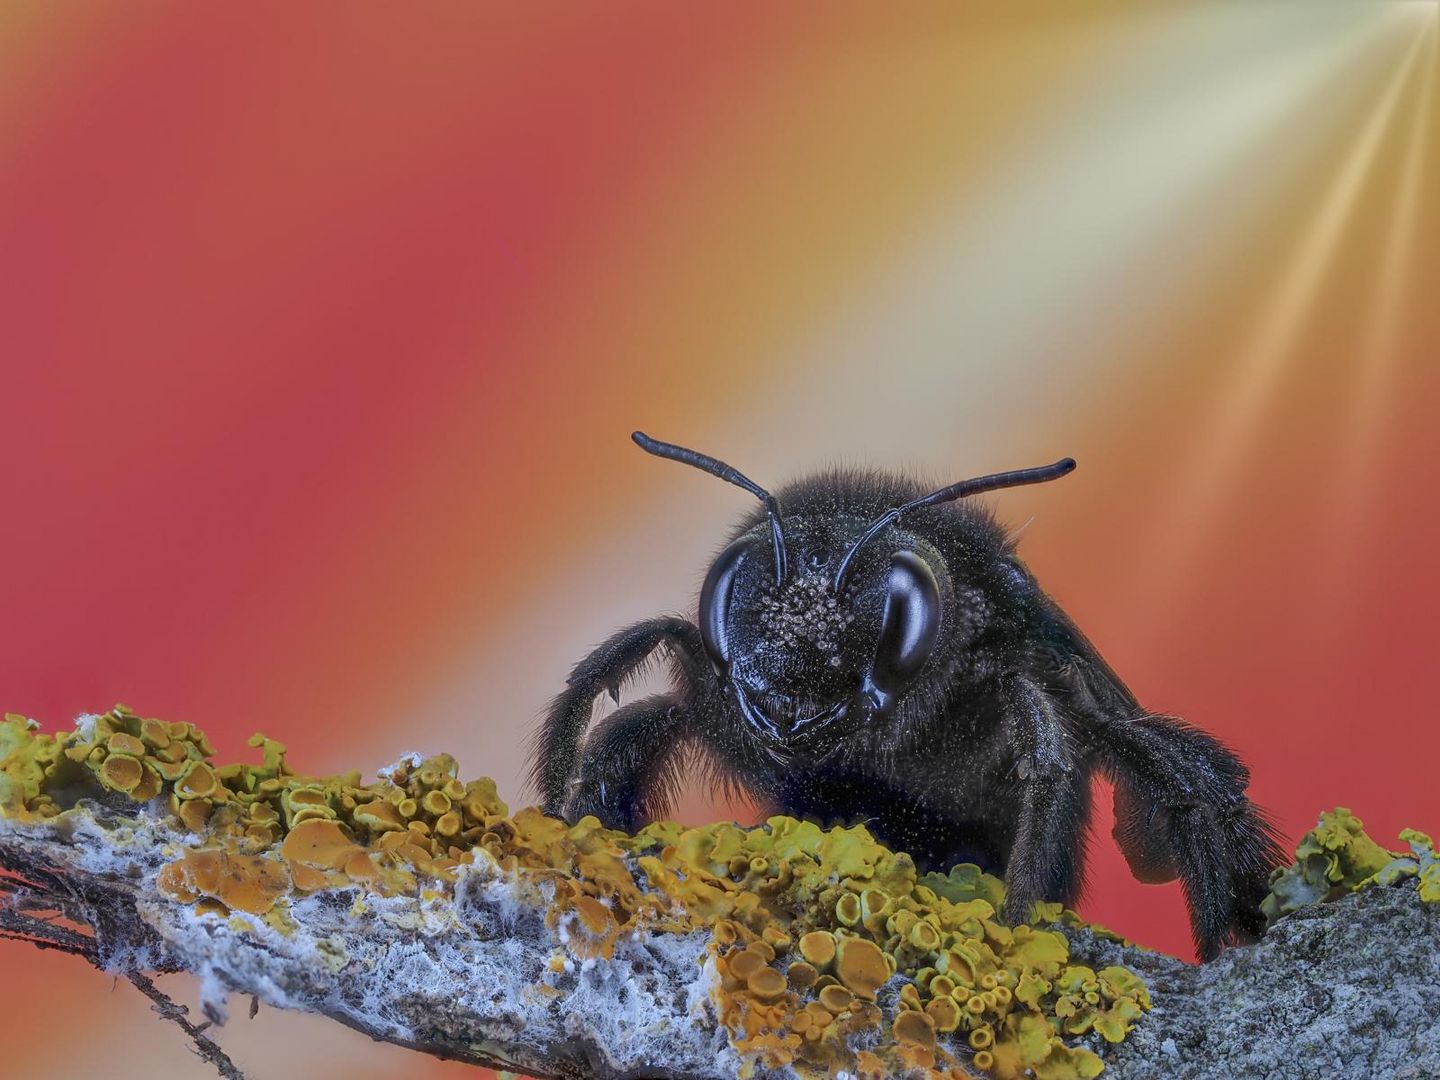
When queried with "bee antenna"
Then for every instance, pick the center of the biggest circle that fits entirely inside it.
(1014, 478)
(715, 467)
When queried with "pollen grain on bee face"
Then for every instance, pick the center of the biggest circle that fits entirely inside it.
(805, 609)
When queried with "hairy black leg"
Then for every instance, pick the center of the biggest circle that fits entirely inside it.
(1200, 856)
(1191, 789)
(1046, 860)
(1254, 849)
(556, 746)
(630, 767)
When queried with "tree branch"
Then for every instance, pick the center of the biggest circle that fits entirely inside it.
(419, 910)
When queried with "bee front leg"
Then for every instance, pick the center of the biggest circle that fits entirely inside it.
(555, 748)
(632, 764)
(1046, 859)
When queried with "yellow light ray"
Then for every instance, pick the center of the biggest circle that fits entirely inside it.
(1377, 365)
(1227, 437)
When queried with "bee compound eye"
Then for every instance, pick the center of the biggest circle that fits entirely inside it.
(715, 603)
(910, 623)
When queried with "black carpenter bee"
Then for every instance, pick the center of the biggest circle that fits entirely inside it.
(880, 654)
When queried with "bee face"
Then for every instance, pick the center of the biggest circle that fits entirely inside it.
(800, 654)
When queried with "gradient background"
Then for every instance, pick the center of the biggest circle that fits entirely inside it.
(323, 328)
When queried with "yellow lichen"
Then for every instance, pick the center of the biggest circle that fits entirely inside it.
(915, 1027)
(1337, 857)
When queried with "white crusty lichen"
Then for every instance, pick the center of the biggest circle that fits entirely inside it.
(403, 763)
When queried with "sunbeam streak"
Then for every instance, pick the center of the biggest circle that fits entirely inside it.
(1379, 360)
(1227, 437)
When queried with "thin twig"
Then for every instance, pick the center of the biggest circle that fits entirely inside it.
(205, 1046)
(38, 931)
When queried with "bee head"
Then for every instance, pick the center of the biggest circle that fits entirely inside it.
(807, 629)
(805, 653)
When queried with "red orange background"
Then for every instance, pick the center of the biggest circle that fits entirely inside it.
(323, 327)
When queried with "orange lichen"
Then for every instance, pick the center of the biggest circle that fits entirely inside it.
(915, 1027)
(802, 976)
(361, 867)
(197, 782)
(319, 842)
(123, 743)
(860, 965)
(248, 883)
(818, 948)
(594, 915)
(378, 816)
(193, 812)
(767, 984)
(122, 773)
(307, 878)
